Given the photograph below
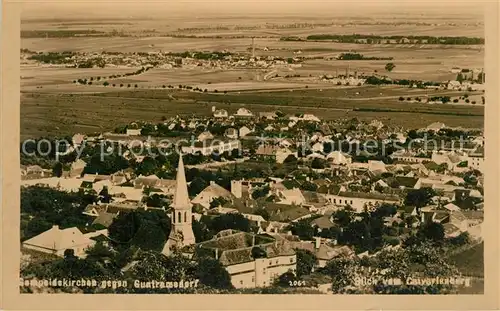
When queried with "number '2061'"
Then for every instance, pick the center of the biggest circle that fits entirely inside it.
(297, 283)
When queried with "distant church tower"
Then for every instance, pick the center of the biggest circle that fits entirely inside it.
(181, 233)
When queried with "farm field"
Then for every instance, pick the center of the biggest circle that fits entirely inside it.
(173, 44)
(52, 104)
(62, 114)
(51, 76)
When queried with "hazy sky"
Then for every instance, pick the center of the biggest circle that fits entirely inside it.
(123, 8)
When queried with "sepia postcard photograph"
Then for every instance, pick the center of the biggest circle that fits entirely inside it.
(250, 155)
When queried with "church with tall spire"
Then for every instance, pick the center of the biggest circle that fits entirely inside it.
(181, 232)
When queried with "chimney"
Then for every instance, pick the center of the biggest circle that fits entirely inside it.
(253, 240)
(216, 254)
(317, 242)
(236, 188)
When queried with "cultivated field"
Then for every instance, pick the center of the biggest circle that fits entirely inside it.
(63, 114)
(52, 104)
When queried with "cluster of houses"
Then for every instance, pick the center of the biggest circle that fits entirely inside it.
(165, 60)
(345, 184)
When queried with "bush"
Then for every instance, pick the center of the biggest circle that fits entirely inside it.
(455, 100)
(467, 101)
(408, 99)
(401, 98)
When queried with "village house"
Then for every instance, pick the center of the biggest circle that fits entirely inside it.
(475, 160)
(133, 132)
(205, 136)
(62, 184)
(56, 241)
(405, 156)
(359, 200)
(251, 260)
(306, 117)
(339, 158)
(243, 112)
(268, 115)
(244, 131)
(291, 196)
(211, 192)
(231, 133)
(77, 139)
(209, 147)
(286, 212)
(221, 113)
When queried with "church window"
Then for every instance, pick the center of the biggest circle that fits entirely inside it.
(185, 216)
(179, 217)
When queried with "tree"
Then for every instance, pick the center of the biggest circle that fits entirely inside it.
(196, 186)
(285, 279)
(303, 229)
(389, 67)
(262, 212)
(306, 261)
(460, 77)
(201, 231)
(57, 170)
(318, 163)
(105, 83)
(342, 271)
(123, 228)
(211, 273)
(104, 196)
(433, 231)
(260, 192)
(234, 221)
(419, 197)
(219, 201)
(136, 86)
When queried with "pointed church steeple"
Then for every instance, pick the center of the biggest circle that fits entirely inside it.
(181, 233)
(181, 196)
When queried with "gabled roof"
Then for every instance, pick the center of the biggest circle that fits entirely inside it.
(407, 182)
(368, 195)
(214, 190)
(450, 229)
(59, 239)
(284, 212)
(105, 219)
(323, 222)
